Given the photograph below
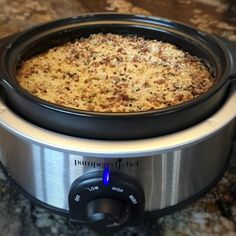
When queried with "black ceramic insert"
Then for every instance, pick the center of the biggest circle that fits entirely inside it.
(114, 126)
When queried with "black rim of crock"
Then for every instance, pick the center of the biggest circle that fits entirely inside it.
(192, 35)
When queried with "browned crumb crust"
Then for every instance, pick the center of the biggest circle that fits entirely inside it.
(115, 73)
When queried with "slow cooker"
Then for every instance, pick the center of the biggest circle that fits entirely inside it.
(111, 170)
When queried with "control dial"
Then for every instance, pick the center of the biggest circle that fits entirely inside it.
(106, 213)
(106, 200)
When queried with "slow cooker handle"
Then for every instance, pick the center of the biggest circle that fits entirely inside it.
(4, 42)
(231, 45)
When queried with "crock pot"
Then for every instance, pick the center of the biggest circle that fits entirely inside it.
(110, 170)
(115, 126)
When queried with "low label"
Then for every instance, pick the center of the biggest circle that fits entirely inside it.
(93, 188)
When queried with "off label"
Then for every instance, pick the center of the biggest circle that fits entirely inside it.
(77, 198)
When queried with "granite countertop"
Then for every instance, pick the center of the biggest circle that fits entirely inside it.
(214, 213)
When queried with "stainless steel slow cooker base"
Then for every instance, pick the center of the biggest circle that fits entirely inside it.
(148, 214)
(167, 178)
(171, 169)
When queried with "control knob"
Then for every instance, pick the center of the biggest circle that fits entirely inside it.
(106, 200)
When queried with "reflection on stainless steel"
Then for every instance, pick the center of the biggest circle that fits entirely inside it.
(167, 178)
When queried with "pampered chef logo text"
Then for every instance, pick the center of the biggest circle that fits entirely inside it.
(117, 164)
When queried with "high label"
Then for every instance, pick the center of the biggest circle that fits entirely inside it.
(116, 189)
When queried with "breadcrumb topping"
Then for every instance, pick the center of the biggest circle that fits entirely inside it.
(115, 73)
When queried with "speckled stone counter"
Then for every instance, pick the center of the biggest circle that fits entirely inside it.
(214, 213)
